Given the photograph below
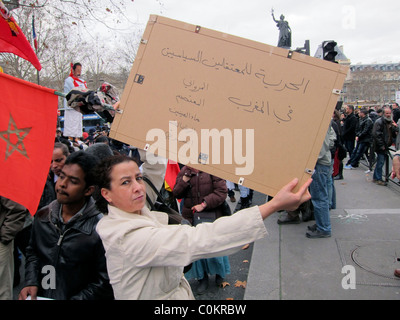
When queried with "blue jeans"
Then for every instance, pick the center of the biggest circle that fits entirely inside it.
(380, 161)
(244, 191)
(319, 190)
(331, 189)
(349, 144)
(358, 153)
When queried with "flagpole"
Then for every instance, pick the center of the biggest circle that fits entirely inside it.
(38, 78)
(35, 44)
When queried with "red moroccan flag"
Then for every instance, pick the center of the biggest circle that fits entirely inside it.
(28, 121)
(13, 40)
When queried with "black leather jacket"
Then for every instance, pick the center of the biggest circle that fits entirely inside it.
(384, 134)
(364, 130)
(349, 127)
(77, 255)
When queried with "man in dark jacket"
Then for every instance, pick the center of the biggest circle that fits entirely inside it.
(12, 218)
(363, 138)
(384, 134)
(396, 112)
(349, 130)
(60, 154)
(65, 258)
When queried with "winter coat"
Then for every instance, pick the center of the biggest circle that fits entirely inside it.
(396, 114)
(364, 130)
(349, 127)
(373, 116)
(12, 219)
(77, 255)
(201, 187)
(49, 192)
(146, 256)
(325, 155)
(337, 141)
(384, 134)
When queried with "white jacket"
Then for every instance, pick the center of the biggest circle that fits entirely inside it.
(145, 256)
(73, 125)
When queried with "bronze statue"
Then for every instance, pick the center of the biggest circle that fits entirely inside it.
(285, 33)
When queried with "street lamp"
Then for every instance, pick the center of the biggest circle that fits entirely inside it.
(305, 49)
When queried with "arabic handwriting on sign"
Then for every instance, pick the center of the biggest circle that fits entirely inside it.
(245, 69)
(249, 106)
(194, 87)
(211, 63)
(289, 115)
(166, 52)
(186, 115)
(262, 107)
(227, 66)
(190, 100)
(280, 86)
(295, 86)
(266, 84)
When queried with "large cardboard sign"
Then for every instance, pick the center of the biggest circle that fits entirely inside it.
(242, 110)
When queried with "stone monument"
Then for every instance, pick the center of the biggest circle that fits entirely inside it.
(285, 33)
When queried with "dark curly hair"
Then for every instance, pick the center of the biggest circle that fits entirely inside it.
(87, 163)
(102, 175)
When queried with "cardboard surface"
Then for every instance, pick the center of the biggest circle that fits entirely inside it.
(272, 106)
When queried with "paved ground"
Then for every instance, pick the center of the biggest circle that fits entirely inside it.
(365, 239)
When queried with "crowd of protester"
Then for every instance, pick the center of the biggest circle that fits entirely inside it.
(65, 225)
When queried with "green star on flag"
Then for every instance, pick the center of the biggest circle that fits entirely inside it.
(14, 138)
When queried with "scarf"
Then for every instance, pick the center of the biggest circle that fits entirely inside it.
(76, 79)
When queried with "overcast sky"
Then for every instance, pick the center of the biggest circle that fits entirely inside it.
(366, 28)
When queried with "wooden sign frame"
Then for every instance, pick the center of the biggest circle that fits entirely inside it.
(241, 110)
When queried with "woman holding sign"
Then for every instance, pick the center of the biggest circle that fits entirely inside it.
(145, 256)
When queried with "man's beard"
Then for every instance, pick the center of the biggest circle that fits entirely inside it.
(388, 119)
